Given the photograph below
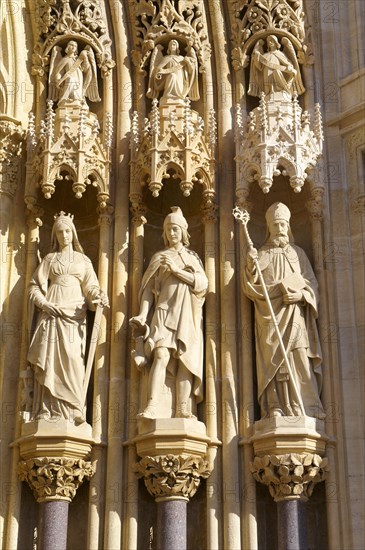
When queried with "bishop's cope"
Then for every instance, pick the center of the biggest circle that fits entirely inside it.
(171, 299)
(293, 293)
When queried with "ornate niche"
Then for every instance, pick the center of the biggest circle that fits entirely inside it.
(173, 141)
(278, 137)
(71, 60)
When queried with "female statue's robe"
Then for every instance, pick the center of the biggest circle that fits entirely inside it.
(57, 349)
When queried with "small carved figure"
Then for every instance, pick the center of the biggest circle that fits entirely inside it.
(175, 75)
(275, 70)
(292, 291)
(62, 288)
(171, 300)
(73, 77)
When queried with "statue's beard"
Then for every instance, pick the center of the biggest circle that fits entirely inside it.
(280, 241)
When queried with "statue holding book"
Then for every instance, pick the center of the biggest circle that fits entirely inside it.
(288, 355)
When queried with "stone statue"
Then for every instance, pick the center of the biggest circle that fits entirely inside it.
(175, 75)
(73, 77)
(292, 289)
(171, 300)
(62, 288)
(275, 70)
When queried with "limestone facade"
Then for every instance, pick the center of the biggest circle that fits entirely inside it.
(162, 103)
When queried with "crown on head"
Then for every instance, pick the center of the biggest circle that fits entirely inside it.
(63, 214)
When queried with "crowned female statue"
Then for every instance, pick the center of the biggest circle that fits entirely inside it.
(62, 289)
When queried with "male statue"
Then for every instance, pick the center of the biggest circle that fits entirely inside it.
(171, 300)
(292, 290)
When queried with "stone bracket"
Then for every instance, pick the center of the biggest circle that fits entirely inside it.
(174, 454)
(289, 455)
(54, 458)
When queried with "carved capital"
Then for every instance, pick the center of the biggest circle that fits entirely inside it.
(359, 205)
(242, 200)
(138, 209)
(55, 478)
(290, 476)
(105, 214)
(209, 207)
(11, 142)
(34, 215)
(315, 204)
(172, 476)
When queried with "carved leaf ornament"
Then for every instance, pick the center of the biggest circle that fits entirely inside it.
(172, 475)
(55, 478)
(290, 475)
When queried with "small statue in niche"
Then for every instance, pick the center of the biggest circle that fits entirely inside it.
(275, 70)
(172, 295)
(62, 288)
(292, 291)
(175, 75)
(73, 77)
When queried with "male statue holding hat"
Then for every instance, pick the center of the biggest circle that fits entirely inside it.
(293, 294)
(171, 300)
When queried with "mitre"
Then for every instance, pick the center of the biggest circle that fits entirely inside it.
(277, 211)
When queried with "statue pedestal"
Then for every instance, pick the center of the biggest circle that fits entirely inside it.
(54, 462)
(177, 436)
(289, 434)
(289, 459)
(59, 438)
(173, 451)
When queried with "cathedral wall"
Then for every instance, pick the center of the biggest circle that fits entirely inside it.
(121, 233)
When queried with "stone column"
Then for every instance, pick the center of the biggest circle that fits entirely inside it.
(53, 521)
(11, 148)
(54, 464)
(209, 211)
(288, 460)
(172, 478)
(171, 523)
(292, 524)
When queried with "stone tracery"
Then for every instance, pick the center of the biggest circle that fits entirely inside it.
(72, 52)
